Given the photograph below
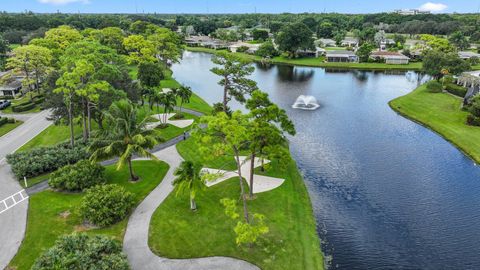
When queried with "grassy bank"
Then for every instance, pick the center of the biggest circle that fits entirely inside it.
(6, 128)
(442, 113)
(292, 243)
(52, 214)
(315, 62)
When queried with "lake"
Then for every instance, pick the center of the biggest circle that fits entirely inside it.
(387, 193)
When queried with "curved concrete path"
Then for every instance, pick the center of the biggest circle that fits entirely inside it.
(13, 221)
(135, 242)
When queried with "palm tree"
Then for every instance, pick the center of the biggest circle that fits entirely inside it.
(168, 101)
(124, 136)
(188, 178)
(184, 93)
(156, 97)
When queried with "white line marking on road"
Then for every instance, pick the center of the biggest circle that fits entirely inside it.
(21, 198)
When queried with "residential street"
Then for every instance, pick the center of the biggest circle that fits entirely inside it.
(13, 220)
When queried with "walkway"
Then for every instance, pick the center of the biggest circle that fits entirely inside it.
(13, 220)
(261, 183)
(135, 242)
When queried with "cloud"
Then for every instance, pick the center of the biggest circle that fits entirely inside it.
(433, 7)
(62, 2)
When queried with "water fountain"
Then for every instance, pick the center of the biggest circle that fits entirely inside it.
(306, 103)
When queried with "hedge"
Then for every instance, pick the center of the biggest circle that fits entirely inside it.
(23, 107)
(456, 90)
(3, 121)
(78, 177)
(43, 160)
(7, 97)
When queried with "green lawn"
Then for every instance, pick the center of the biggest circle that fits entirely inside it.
(52, 135)
(316, 62)
(6, 128)
(52, 214)
(442, 113)
(477, 67)
(172, 131)
(292, 242)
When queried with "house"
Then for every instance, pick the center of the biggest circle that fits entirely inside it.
(252, 48)
(391, 58)
(326, 42)
(313, 53)
(341, 56)
(194, 41)
(10, 85)
(468, 55)
(385, 43)
(350, 42)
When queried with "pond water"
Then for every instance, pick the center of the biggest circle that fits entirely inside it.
(387, 193)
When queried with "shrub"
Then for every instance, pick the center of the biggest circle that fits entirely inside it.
(106, 205)
(456, 90)
(473, 120)
(78, 177)
(81, 251)
(42, 160)
(242, 49)
(434, 86)
(6, 97)
(3, 121)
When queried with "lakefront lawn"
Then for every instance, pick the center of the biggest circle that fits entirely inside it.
(315, 62)
(292, 242)
(442, 113)
(53, 214)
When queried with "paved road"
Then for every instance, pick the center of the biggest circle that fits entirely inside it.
(135, 242)
(13, 221)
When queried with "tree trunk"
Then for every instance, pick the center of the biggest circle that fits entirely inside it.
(225, 94)
(252, 167)
(133, 177)
(89, 117)
(70, 120)
(84, 121)
(242, 188)
(193, 204)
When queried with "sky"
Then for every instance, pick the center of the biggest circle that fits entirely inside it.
(236, 6)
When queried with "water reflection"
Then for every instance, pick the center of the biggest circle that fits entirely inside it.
(387, 193)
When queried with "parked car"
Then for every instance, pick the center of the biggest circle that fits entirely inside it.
(4, 104)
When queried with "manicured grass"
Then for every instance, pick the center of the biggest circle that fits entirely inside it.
(292, 243)
(316, 62)
(6, 128)
(172, 131)
(46, 219)
(52, 135)
(477, 67)
(442, 113)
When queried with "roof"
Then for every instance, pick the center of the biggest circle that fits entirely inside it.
(14, 85)
(389, 55)
(341, 54)
(468, 54)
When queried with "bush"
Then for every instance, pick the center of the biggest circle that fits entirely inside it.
(81, 251)
(473, 120)
(456, 90)
(106, 205)
(242, 49)
(78, 177)
(6, 97)
(45, 159)
(434, 86)
(38, 100)
(3, 121)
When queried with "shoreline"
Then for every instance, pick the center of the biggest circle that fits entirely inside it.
(454, 140)
(315, 62)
